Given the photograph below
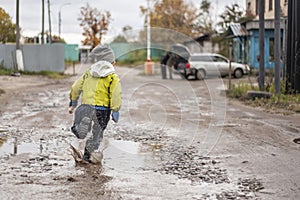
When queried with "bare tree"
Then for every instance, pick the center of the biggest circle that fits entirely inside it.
(203, 23)
(94, 23)
(232, 13)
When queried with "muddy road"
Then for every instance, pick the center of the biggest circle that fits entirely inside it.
(176, 139)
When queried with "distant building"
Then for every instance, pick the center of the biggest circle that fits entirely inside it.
(252, 8)
(84, 51)
(202, 44)
(245, 36)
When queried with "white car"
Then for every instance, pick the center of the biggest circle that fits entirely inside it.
(203, 65)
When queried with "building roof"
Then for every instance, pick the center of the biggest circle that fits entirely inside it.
(269, 24)
(236, 30)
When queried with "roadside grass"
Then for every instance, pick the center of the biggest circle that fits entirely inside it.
(52, 75)
(4, 71)
(286, 101)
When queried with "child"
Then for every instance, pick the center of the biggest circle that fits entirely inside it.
(100, 91)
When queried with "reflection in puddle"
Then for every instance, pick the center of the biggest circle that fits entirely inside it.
(11, 146)
(127, 156)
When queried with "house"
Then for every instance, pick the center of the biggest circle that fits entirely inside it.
(245, 36)
(252, 46)
(239, 36)
(252, 8)
(202, 44)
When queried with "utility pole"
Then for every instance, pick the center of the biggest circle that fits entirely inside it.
(49, 17)
(261, 82)
(17, 26)
(277, 47)
(149, 67)
(59, 18)
(15, 56)
(216, 10)
(148, 33)
(43, 21)
(59, 23)
(293, 48)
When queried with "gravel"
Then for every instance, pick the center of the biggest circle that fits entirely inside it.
(186, 162)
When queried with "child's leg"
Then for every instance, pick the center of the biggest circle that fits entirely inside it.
(82, 121)
(100, 122)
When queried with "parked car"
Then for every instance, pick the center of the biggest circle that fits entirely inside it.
(211, 64)
(182, 56)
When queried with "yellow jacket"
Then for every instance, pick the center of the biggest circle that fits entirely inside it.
(99, 86)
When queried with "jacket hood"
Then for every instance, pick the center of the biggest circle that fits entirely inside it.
(102, 69)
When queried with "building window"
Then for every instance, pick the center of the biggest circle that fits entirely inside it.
(257, 6)
(271, 50)
(270, 4)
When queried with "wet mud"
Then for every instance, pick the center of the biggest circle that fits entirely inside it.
(175, 140)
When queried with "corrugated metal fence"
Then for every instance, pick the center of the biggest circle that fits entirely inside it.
(48, 57)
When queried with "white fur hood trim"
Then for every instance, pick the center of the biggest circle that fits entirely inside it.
(102, 69)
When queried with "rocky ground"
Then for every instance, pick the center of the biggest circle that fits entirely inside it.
(176, 139)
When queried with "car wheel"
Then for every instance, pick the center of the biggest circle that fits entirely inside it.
(200, 74)
(238, 73)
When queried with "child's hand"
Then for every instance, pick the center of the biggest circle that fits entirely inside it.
(71, 109)
(115, 116)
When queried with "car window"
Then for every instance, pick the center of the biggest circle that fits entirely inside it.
(219, 59)
(201, 58)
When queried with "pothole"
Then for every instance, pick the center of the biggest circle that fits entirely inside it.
(12, 146)
(132, 155)
(297, 140)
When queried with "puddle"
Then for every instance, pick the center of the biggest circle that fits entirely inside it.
(11, 146)
(297, 140)
(128, 156)
(119, 155)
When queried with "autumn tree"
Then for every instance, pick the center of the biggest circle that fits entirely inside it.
(173, 14)
(7, 28)
(94, 23)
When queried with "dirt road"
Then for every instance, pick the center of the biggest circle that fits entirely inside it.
(176, 139)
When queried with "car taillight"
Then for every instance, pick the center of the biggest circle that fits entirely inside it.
(187, 65)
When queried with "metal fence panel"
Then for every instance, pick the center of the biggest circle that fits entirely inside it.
(36, 58)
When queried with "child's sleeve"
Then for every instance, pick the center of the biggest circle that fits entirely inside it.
(76, 90)
(116, 97)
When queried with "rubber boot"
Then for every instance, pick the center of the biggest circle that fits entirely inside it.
(86, 155)
(74, 131)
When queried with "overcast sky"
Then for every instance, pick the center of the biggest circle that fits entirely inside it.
(124, 12)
